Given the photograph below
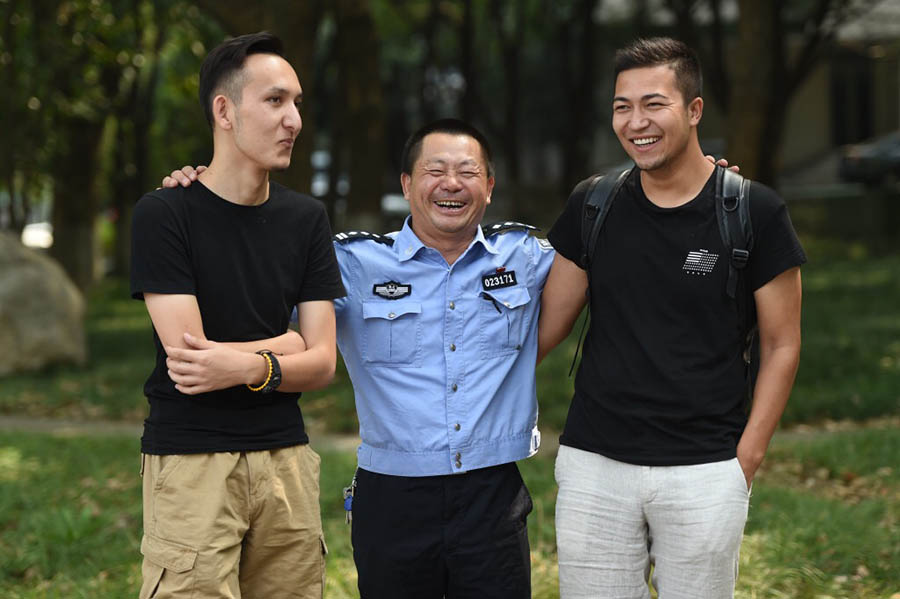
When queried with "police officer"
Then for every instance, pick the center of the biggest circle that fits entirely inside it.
(439, 335)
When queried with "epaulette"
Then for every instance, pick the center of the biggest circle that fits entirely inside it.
(354, 235)
(504, 226)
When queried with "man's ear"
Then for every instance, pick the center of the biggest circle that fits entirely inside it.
(405, 180)
(223, 115)
(695, 111)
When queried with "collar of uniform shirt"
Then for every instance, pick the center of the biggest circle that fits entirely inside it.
(407, 244)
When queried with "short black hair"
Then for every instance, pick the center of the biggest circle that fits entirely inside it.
(412, 149)
(655, 51)
(220, 71)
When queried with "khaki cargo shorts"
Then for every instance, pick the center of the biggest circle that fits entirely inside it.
(233, 525)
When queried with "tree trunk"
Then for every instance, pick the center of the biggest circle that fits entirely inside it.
(510, 48)
(427, 96)
(752, 106)
(578, 84)
(467, 61)
(9, 179)
(358, 60)
(121, 203)
(74, 199)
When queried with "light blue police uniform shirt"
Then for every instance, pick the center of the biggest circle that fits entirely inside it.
(442, 357)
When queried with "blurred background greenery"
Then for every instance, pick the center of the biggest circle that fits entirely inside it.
(99, 102)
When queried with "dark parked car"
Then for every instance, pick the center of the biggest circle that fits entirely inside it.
(873, 161)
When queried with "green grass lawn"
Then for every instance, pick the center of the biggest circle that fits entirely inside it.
(824, 515)
(824, 519)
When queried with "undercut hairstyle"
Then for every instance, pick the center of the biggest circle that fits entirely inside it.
(222, 69)
(656, 51)
(412, 149)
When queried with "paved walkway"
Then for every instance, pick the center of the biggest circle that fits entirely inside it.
(112, 428)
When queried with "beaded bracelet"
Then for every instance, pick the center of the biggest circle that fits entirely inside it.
(268, 375)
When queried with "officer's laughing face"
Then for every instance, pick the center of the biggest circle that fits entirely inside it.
(448, 189)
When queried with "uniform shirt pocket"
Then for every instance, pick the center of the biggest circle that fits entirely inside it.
(392, 333)
(503, 315)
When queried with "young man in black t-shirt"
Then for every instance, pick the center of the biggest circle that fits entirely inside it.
(231, 492)
(658, 453)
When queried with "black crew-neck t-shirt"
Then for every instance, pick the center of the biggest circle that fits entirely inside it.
(662, 380)
(248, 266)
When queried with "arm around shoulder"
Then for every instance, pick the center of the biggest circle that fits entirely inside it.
(562, 300)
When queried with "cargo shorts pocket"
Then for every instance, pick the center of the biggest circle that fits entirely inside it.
(166, 563)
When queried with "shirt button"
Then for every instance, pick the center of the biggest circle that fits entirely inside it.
(456, 426)
(518, 347)
(454, 387)
(452, 306)
(458, 456)
(452, 347)
(391, 315)
(507, 304)
(409, 250)
(458, 464)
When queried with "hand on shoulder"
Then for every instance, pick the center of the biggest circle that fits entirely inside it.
(183, 176)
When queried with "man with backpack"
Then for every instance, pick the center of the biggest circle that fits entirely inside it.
(679, 261)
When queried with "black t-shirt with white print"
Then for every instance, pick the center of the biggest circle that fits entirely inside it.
(248, 266)
(662, 380)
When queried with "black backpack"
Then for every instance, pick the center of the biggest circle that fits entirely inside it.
(733, 218)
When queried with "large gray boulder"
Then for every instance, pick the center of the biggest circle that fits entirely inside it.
(41, 311)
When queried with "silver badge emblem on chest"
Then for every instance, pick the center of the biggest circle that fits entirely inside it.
(392, 290)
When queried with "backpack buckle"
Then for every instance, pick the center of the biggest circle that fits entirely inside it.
(739, 257)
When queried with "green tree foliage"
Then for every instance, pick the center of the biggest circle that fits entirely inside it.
(100, 95)
(81, 79)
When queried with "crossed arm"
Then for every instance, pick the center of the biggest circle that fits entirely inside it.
(198, 365)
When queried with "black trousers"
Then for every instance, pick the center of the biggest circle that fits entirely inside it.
(456, 536)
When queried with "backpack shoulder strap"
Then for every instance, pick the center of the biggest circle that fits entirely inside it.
(733, 218)
(598, 198)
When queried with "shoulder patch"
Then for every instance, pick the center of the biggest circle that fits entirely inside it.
(504, 226)
(356, 235)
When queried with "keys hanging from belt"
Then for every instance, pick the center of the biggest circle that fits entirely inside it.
(349, 492)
